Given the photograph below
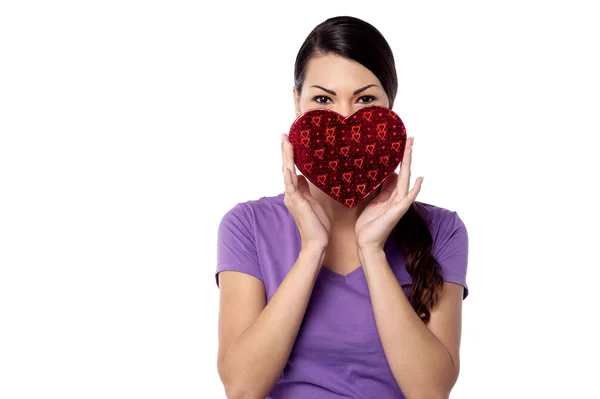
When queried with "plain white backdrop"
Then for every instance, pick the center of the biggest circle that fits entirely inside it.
(128, 128)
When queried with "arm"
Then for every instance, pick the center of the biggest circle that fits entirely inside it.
(255, 340)
(423, 358)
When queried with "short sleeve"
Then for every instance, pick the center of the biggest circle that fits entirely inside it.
(451, 250)
(236, 243)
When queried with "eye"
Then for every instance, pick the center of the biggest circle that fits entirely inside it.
(316, 99)
(372, 98)
(324, 99)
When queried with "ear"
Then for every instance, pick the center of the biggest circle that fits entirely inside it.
(296, 101)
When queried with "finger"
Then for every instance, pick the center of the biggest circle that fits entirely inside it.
(290, 162)
(284, 139)
(390, 183)
(412, 195)
(388, 190)
(287, 180)
(292, 190)
(416, 189)
(287, 162)
(282, 156)
(303, 188)
(404, 180)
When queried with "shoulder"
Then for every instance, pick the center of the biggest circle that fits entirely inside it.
(258, 211)
(439, 219)
(258, 217)
(433, 213)
(450, 242)
(242, 234)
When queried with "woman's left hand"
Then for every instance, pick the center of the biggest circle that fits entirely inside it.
(383, 213)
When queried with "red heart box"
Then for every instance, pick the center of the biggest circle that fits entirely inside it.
(348, 158)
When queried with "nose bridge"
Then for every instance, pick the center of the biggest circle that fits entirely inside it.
(345, 108)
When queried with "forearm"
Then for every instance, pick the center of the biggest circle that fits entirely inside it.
(256, 359)
(419, 361)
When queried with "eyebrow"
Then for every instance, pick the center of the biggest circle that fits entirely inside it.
(334, 94)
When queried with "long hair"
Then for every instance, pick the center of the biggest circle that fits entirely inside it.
(360, 41)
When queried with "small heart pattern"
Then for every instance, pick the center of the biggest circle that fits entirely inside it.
(348, 158)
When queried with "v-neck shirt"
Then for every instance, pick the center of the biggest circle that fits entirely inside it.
(337, 353)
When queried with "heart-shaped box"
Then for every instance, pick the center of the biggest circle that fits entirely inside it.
(348, 158)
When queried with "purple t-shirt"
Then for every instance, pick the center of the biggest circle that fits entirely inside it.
(338, 353)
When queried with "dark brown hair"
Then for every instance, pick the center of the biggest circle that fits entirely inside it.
(360, 41)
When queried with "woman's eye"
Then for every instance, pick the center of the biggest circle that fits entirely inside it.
(324, 99)
(316, 99)
(372, 98)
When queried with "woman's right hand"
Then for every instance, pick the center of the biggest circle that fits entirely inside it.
(309, 215)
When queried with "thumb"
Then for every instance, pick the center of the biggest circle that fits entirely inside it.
(389, 185)
(304, 188)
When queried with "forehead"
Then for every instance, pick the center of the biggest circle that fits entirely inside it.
(338, 73)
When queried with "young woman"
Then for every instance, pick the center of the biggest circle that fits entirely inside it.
(321, 301)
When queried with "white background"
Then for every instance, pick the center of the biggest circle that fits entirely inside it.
(129, 128)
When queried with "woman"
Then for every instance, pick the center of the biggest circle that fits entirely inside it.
(321, 301)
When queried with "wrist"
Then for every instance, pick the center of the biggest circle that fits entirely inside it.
(314, 252)
(365, 245)
(367, 254)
